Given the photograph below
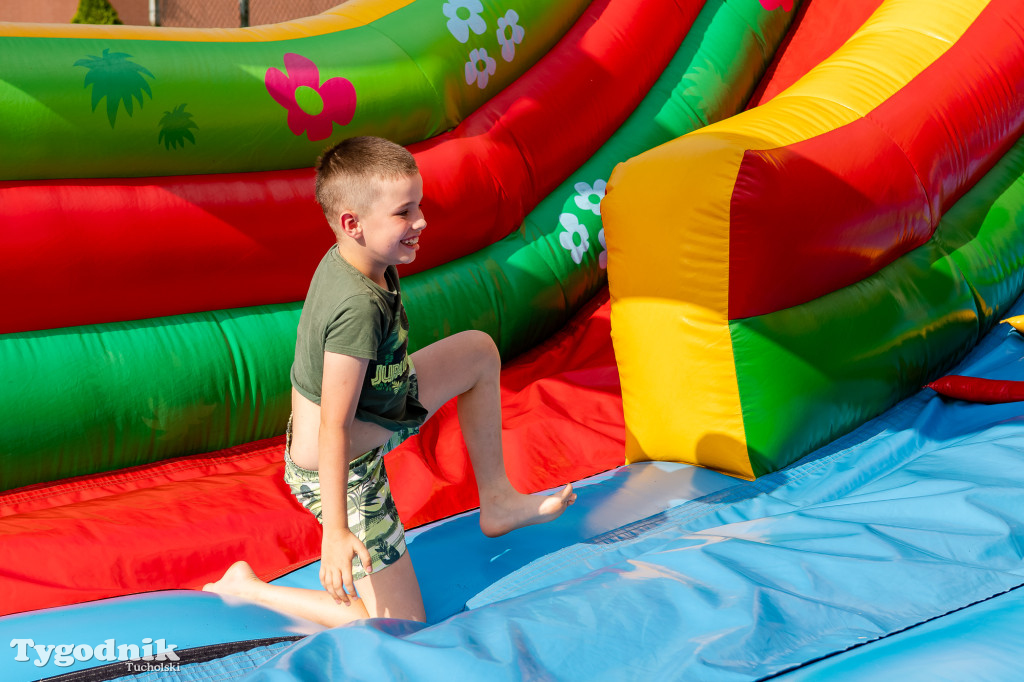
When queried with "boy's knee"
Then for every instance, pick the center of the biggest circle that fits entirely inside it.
(484, 348)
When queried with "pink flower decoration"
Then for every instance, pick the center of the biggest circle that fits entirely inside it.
(312, 108)
(769, 5)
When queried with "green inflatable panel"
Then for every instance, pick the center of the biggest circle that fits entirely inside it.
(98, 398)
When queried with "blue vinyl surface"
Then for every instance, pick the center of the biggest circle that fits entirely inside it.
(182, 618)
(453, 559)
(894, 531)
(980, 643)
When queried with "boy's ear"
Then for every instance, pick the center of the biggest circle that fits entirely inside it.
(348, 223)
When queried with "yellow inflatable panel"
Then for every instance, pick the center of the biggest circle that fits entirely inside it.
(1015, 322)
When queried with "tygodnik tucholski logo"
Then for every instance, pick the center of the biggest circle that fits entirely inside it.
(150, 655)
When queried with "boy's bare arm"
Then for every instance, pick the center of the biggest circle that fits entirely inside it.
(342, 382)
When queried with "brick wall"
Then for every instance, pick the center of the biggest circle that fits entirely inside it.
(196, 13)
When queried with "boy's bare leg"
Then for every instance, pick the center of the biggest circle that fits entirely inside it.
(467, 365)
(393, 592)
(389, 593)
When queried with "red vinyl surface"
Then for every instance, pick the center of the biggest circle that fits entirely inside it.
(180, 523)
(824, 213)
(115, 250)
(973, 389)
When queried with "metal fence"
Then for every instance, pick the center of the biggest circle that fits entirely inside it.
(233, 13)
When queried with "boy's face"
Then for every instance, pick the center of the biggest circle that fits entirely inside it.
(391, 227)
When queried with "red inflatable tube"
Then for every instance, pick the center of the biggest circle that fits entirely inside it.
(179, 523)
(93, 251)
(975, 390)
(873, 190)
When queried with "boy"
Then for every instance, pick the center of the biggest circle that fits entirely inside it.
(356, 395)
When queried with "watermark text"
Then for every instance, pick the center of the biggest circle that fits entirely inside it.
(64, 655)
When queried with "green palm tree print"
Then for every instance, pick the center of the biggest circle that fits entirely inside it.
(174, 128)
(111, 75)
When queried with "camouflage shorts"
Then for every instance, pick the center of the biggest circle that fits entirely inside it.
(372, 515)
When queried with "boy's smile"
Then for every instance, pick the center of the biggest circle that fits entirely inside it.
(389, 232)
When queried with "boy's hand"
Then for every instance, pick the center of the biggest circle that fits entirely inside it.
(336, 563)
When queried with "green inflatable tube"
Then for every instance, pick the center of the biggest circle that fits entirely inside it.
(88, 107)
(97, 398)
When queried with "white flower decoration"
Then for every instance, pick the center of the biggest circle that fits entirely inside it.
(589, 198)
(460, 22)
(509, 39)
(602, 258)
(574, 229)
(474, 72)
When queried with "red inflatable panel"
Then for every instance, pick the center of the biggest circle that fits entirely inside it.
(98, 250)
(973, 389)
(826, 212)
(141, 248)
(152, 527)
(180, 523)
(860, 207)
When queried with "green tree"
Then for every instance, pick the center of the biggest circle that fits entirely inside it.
(95, 12)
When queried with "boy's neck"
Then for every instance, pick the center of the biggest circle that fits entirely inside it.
(356, 257)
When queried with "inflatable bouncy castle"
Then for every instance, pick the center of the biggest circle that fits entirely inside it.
(721, 244)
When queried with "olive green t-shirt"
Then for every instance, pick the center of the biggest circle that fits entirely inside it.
(346, 312)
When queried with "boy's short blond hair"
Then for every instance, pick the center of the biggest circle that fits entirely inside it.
(348, 174)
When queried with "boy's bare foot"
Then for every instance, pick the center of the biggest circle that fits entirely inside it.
(516, 510)
(239, 580)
